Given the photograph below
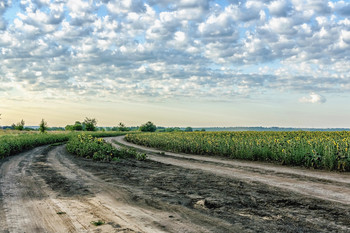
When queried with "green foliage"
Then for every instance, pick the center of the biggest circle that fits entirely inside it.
(43, 126)
(19, 125)
(90, 124)
(148, 127)
(10, 145)
(76, 127)
(171, 129)
(122, 127)
(13, 144)
(97, 223)
(325, 150)
(188, 129)
(96, 148)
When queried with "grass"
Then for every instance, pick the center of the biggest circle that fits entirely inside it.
(324, 150)
(97, 223)
(16, 142)
(95, 148)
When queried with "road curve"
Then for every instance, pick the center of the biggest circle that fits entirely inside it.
(330, 186)
(48, 190)
(43, 190)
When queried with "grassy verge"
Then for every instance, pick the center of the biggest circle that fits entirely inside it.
(95, 148)
(325, 150)
(13, 144)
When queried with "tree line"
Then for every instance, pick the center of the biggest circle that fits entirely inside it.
(90, 124)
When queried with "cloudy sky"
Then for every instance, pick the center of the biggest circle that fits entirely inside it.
(176, 63)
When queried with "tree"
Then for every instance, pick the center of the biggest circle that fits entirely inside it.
(148, 127)
(43, 126)
(90, 124)
(188, 129)
(78, 126)
(122, 127)
(19, 125)
(69, 127)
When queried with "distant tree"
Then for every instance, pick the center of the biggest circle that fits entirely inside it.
(173, 129)
(55, 129)
(148, 127)
(19, 125)
(188, 129)
(169, 129)
(203, 130)
(78, 126)
(43, 126)
(122, 127)
(69, 127)
(90, 124)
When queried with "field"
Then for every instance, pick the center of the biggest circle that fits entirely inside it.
(75, 182)
(325, 150)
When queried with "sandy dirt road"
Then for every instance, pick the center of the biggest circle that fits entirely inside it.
(42, 190)
(321, 184)
(49, 190)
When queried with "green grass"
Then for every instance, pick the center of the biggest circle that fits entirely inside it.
(11, 144)
(325, 150)
(95, 148)
(97, 223)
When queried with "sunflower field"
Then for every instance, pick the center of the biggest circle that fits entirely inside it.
(324, 150)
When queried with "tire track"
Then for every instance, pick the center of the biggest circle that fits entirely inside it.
(38, 184)
(325, 185)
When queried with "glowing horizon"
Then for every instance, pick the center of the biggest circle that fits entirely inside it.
(191, 63)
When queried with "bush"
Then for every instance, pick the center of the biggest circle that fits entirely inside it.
(88, 146)
(43, 126)
(90, 124)
(148, 127)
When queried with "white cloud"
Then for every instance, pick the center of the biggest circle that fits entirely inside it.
(156, 48)
(313, 98)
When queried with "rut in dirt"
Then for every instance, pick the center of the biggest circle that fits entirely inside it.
(324, 185)
(153, 196)
(43, 190)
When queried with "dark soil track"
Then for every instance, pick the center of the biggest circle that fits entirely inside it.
(49, 190)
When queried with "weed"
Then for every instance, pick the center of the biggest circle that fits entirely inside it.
(97, 223)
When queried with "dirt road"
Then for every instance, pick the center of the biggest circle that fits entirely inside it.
(49, 190)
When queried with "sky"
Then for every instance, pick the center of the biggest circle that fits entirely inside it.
(176, 63)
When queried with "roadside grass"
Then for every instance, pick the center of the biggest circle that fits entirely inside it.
(92, 147)
(97, 223)
(13, 143)
(321, 150)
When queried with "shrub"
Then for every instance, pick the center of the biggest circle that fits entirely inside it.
(43, 126)
(148, 127)
(90, 124)
(88, 146)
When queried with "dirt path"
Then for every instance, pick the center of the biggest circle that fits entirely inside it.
(49, 190)
(42, 190)
(319, 184)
